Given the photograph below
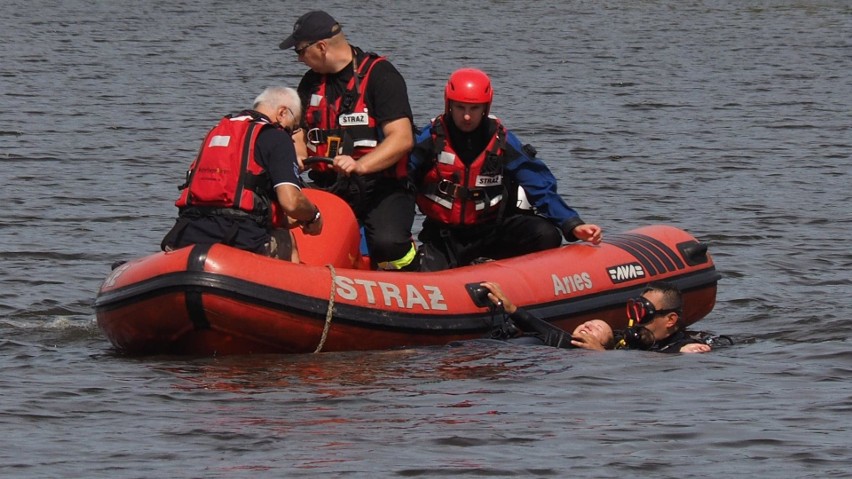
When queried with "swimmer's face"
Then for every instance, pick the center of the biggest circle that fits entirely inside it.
(597, 328)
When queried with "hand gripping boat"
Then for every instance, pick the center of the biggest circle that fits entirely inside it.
(215, 300)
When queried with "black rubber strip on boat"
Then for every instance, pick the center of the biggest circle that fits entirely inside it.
(194, 303)
(662, 250)
(651, 264)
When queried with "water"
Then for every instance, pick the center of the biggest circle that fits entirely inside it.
(729, 120)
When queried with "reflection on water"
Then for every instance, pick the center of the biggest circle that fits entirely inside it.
(357, 373)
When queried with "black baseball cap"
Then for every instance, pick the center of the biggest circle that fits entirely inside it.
(313, 26)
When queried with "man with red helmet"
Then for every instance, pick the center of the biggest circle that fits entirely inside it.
(471, 173)
(357, 112)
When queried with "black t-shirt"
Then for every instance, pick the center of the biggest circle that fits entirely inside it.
(386, 94)
(275, 152)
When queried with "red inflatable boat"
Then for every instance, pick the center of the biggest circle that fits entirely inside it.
(220, 300)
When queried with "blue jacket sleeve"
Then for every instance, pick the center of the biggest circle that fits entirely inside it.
(421, 153)
(540, 186)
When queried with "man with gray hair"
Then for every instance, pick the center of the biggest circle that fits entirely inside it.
(244, 189)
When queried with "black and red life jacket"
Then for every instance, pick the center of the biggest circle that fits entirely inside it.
(346, 126)
(457, 194)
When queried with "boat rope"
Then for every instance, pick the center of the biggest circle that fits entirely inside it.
(329, 311)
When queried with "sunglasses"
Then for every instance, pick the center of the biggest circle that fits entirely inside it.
(301, 51)
(642, 311)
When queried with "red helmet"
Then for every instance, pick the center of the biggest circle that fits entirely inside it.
(468, 85)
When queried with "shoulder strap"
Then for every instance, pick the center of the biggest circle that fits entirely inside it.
(245, 155)
(351, 95)
(440, 137)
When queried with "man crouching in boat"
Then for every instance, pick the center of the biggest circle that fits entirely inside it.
(653, 324)
(470, 171)
(243, 189)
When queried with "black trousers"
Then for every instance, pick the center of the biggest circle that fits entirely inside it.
(517, 234)
(387, 215)
(383, 205)
(240, 233)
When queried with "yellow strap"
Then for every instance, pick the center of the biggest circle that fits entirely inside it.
(622, 344)
(401, 262)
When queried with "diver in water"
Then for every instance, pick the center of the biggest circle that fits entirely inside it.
(654, 322)
(654, 325)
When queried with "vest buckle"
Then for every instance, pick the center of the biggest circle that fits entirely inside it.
(316, 136)
(447, 188)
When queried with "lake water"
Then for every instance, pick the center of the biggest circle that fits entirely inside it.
(728, 119)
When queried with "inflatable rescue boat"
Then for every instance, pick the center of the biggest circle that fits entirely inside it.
(217, 300)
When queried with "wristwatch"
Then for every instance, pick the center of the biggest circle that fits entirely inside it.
(313, 220)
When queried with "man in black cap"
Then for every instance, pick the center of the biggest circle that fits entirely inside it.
(364, 122)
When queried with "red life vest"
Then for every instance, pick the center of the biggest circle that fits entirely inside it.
(346, 126)
(225, 178)
(456, 194)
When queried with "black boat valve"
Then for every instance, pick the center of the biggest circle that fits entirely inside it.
(693, 252)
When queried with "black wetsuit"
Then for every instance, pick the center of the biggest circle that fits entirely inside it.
(535, 331)
(675, 342)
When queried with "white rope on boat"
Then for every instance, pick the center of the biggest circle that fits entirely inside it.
(328, 313)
